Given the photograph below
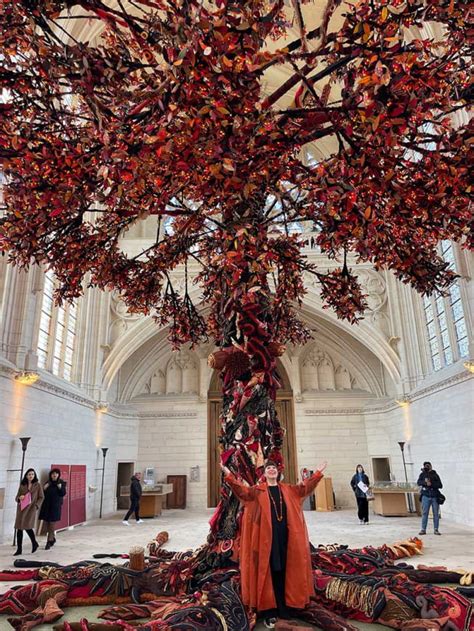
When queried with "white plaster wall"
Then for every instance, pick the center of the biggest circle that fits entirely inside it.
(62, 430)
(438, 425)
(172, 439)
(332, 428)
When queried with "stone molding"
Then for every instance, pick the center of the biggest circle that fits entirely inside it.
(453, 380)
(392, 404)
(439, 386)
(334, 411)
(54, 389)
(151, 415)
(63, 392)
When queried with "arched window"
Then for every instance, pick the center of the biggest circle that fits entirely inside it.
(57, 333)
(445, 322)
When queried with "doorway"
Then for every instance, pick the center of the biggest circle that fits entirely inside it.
(285, 410)
(381, 469)
(125, 471)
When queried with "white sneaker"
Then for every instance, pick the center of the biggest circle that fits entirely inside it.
(140, 521)
(125, 523)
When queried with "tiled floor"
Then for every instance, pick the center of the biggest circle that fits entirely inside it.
(188, 529)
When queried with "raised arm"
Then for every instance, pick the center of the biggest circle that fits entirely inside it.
(242, 492)
(306, 487)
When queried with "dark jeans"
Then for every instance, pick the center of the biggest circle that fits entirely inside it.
(134, 508)
(426, 502)
(363, 509)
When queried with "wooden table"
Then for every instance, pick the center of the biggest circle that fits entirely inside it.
(390, 502)
(151, 504)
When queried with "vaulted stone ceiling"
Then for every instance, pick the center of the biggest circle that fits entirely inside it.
(82, 29)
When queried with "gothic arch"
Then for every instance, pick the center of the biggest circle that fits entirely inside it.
(144, 329)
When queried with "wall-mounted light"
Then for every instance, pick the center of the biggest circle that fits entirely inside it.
(403, 403)
(469, 365)
(27, 377)
(24, 443)
(102, 407)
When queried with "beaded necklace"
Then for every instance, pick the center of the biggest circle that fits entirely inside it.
(279, 517)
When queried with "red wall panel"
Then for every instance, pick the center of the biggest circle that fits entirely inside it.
(77, 494)
(64, 522)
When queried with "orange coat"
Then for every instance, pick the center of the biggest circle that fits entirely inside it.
(256, 543)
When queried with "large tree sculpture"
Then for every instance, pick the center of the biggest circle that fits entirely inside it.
(167, 114)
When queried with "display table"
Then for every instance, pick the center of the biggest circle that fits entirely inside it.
(151, 502)
(391, 501)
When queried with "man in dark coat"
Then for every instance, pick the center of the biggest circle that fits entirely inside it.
(50, 513)
(430, 484)
(135, 495)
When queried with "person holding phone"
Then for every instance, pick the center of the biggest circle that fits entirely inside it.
(274, 552)
(29, 498)
(430, 484)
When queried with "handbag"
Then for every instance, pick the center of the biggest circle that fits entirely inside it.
(369, 495)
(441, 498)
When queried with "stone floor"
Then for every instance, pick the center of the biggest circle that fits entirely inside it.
(188, 529)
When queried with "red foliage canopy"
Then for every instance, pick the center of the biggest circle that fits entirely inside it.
(166, 114)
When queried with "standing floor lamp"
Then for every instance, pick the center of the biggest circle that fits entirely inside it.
(104, 453)
(402, 449)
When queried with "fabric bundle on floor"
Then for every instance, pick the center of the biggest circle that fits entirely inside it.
(200, 591)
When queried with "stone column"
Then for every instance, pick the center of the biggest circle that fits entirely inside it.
(92, 340)
(22, 295)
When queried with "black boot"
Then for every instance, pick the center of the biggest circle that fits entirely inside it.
(49, 544)
(34, 543)
(19, 543)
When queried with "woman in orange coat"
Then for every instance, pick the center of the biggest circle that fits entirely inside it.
(275, 562)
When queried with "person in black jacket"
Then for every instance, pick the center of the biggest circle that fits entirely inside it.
(361, 497)
(135, 495)
(50, 513)
(430, 484)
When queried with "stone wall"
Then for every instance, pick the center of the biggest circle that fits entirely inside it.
(437, 425)
(172, 440)
(64, 428)
(332, 429)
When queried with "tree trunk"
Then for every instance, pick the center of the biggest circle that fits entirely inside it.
(250, 430)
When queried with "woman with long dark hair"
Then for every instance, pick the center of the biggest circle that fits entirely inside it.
(29, 498)
(50, 513)
(359, 481)
(274, 553)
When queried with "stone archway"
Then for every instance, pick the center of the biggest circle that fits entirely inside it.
(286, 413)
